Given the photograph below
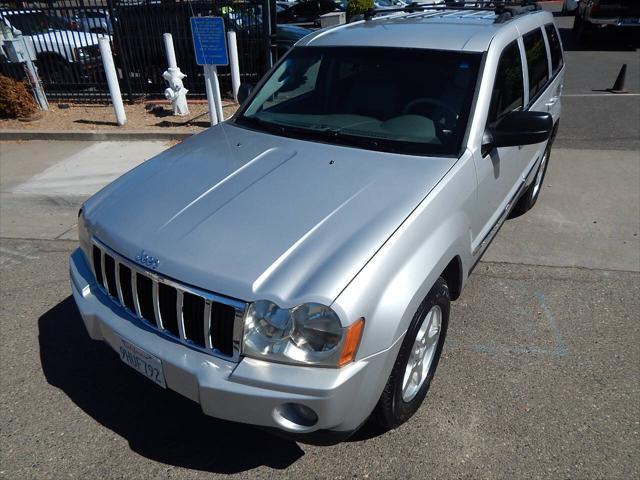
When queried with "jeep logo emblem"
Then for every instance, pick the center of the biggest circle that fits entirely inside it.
(147, 260)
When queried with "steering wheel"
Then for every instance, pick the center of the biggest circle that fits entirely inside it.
(449, 120)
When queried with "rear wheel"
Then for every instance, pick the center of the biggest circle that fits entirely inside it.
(417, 360)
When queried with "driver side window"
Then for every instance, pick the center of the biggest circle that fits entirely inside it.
(508, 88)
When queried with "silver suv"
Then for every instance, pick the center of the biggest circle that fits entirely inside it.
(293, 267)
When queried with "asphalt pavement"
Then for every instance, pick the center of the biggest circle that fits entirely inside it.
(540, 376)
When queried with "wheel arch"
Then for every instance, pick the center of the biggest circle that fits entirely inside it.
(452, 274)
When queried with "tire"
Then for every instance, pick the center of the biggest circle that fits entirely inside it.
(397, 405)
(57, 72)
(531, 194)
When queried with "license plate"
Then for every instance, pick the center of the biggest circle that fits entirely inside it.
(631, 21)
(143, 362)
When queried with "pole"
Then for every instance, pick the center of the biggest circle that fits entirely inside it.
(112, 80)
(34, 79)
(234, 63)
(208, 84)
(171, 52)
(217, 99)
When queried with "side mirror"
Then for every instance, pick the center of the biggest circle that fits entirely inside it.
(244, 91)
(518, 128)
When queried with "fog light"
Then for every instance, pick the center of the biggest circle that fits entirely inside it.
(296, 415)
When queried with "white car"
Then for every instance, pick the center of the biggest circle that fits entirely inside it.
(63, 55)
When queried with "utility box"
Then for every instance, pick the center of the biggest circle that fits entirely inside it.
(19, 49)
(332, 19)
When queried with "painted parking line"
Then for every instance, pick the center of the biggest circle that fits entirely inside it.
(603, 94)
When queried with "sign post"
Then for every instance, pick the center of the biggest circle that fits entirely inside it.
(210, 46)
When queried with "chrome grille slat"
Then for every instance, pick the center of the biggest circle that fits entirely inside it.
(104, 271)
(156, 303)
(134, 291)
(119, 284)
(207, 324)
(159, 295)
(179, 314)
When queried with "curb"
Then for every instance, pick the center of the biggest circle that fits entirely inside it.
(91, 136)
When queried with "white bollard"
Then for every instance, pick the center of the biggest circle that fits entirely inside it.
(171, 52)
(216, 92)
(208, 85)
(176, 93)
(234, 63)
(112, 80)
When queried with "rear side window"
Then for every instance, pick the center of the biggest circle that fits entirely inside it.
(536, 61)
(508, 87)
(554, 46)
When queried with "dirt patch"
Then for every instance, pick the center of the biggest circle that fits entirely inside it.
(154, 116)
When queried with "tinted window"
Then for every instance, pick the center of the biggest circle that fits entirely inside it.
(536, 61)
(554, 46)
(402, 100)
(508, 88)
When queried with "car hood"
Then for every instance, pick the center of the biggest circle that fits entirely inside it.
(252, 215)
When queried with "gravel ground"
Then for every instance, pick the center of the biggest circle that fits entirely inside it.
(102, 118)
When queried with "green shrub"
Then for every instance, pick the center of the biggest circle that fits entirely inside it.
(15, 99)
(356, 7)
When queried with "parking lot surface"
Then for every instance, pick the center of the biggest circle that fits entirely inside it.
(540, 376)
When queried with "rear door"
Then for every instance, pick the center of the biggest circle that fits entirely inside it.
(556, 66)
(542, 95)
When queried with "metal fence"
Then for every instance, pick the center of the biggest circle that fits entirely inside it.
(65, 35)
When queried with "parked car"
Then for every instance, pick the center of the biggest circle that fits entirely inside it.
(307, 13)
(63, 53)
(293, 267)
(594, 15)
(288, 35)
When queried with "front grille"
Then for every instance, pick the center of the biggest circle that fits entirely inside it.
(200, 319)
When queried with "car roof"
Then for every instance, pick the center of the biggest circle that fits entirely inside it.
(461, 30)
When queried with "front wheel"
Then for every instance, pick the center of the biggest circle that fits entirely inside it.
(417, 360)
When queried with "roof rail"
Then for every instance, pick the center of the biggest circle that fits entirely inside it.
(504, 9)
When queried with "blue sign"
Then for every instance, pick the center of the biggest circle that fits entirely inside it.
(209, 40)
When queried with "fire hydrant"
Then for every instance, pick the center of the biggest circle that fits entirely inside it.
(176, 93)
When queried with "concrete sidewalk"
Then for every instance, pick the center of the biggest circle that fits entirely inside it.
(43, 184)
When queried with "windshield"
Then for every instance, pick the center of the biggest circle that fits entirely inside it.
(412, 101)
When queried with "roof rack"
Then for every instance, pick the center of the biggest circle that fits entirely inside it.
(504, 10)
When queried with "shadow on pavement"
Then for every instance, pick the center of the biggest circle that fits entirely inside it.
(160, 425)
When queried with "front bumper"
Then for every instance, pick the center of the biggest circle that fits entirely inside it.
(250, 391)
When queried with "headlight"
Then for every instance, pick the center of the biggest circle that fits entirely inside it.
(84, 237)
(310, 333)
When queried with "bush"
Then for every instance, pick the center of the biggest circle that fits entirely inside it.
(356, 7)
(15, 99)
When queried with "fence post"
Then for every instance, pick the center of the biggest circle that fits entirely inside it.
(234, 63)
(112, 80)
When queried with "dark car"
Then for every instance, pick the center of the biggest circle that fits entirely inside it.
(288, 35)
(595, 15)
(308, 13)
